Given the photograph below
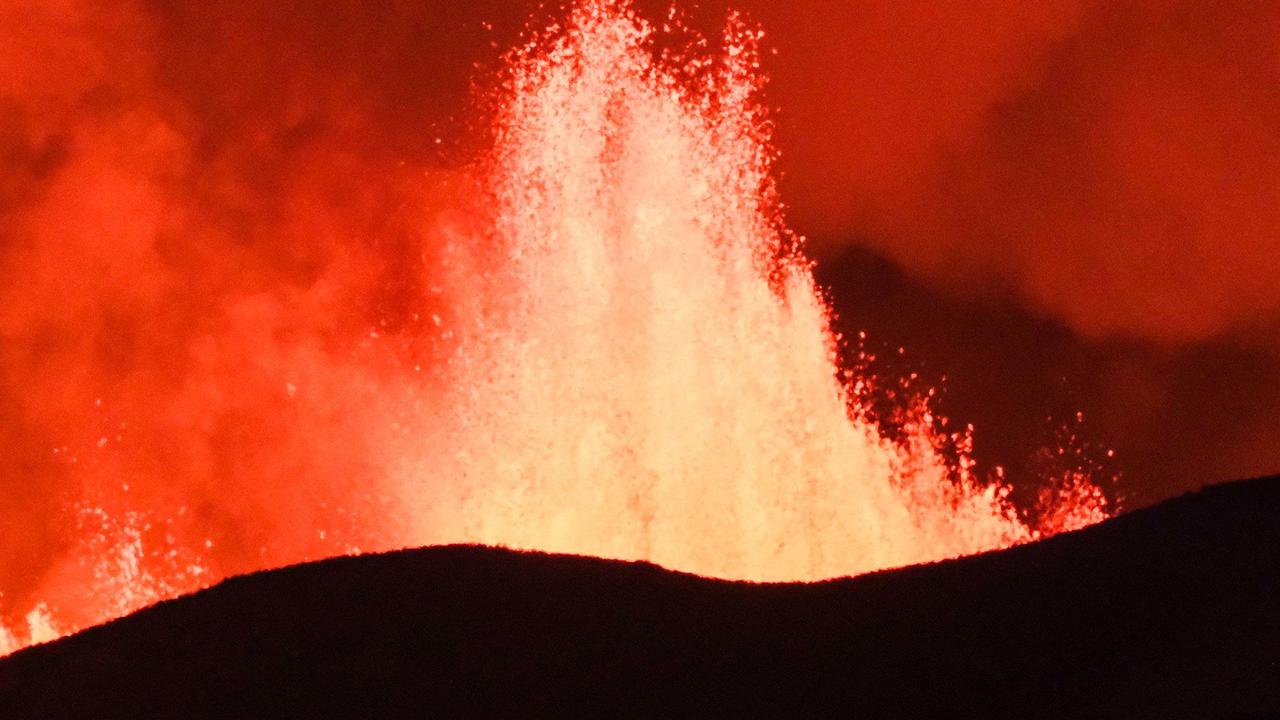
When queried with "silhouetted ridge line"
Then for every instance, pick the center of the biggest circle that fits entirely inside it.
(1166, 612)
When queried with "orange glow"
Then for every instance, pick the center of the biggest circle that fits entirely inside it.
(647, 372)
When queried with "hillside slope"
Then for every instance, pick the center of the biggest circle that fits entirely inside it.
(1172, 611)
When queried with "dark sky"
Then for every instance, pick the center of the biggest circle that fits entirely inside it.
(1059, 206)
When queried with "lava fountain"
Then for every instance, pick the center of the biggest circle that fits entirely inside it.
(660, 380)
(647, 371)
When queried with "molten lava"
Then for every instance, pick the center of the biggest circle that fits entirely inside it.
(647, 371)
(661, 382)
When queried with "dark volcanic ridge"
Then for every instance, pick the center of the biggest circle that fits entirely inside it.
(1172, 611)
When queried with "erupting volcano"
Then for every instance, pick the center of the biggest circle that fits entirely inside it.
(637, 364)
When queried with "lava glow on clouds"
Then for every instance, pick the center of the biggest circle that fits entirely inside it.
(598, 337)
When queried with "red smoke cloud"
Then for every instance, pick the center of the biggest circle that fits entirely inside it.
(1117, 165)
(206, 233)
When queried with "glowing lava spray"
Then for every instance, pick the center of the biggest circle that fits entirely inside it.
(661, 381)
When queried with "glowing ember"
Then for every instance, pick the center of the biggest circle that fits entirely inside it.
(648, 373)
